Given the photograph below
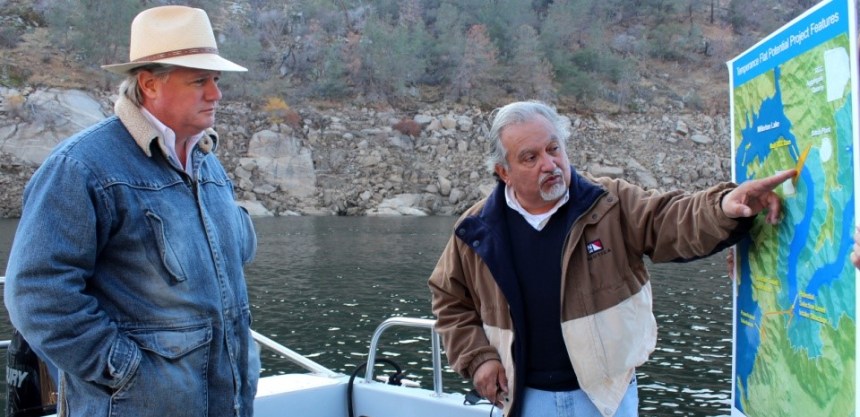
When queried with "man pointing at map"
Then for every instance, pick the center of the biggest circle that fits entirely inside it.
(542, 294)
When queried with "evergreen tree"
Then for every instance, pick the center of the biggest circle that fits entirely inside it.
(247, 51)
(557, 35)
(449, 31)
(530, 74)
(500, 16)
(410, 13)
(332, 78)
(477, 65)
(393, 56)
(72, 26)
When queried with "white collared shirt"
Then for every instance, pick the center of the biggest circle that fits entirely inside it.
(169, 137)
(537, 221)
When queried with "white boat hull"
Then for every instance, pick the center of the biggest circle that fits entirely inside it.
(308, 395)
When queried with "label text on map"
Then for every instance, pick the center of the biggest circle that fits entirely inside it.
(821, 131)
(767, 126)
(747, 319)
(765, 284)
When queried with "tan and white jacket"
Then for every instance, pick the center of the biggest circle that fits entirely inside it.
(607, 322)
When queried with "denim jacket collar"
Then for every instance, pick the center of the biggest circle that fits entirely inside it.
(144, 133)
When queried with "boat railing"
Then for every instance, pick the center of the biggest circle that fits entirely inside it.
(264, 341)
(409, 322)
(316, 368)
(293, 356)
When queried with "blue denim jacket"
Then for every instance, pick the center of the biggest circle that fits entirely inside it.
(127, 274)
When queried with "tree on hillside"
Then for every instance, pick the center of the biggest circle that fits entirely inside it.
(397, 48)
(247, 51)
(332, 81)
(661, 10)
(410, 13)
(573, 37)
(303, 62)
(387, 10)
(272, 27)
(72, 27)
(667, 41)
(393, 57)
(499, 17)
(557, 30)
(335, 16)
(477, 65)
(449, 31)
(530, 74)
(557, 34)
(763, 16)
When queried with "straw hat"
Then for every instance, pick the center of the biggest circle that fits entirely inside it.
(174, 35)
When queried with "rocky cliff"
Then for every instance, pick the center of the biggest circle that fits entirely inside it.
(352, 161)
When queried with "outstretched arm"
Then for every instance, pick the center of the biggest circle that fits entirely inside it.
(753, 196)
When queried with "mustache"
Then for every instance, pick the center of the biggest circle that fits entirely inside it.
(556, 172)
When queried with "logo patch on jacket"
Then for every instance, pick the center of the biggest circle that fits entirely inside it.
(596, 249)
(594, 246)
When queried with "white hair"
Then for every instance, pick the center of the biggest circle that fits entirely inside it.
(519, 112)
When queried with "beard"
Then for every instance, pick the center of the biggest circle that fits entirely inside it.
(557, 190)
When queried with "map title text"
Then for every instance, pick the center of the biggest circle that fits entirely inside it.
(793, 40)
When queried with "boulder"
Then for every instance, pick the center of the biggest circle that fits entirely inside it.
(51, 116)
(283, 162)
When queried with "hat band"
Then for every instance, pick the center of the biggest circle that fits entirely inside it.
(176, 53)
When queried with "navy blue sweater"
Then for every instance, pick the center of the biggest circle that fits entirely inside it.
(537, 263)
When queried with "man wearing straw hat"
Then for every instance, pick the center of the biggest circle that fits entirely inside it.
(126, 270)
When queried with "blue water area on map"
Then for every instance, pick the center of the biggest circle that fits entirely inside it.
(756, 146)
(828, 273)
(797, 225)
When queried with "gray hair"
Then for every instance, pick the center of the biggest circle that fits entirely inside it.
(519, 112)
(130, 88)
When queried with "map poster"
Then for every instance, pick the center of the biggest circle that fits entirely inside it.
(794, 105)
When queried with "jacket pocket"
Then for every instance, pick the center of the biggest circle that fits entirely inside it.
(172, 377)
(166, 252)
(249, 236)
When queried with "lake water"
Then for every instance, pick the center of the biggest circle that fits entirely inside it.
(321, 285)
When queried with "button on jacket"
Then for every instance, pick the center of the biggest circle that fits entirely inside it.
(127, 274)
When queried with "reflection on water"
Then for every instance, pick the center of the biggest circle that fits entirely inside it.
(321, 285)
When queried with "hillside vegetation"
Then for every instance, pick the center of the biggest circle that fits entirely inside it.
(355, 107)
(582, 55)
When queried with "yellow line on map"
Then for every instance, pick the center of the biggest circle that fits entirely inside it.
(800, 162)
(787, 312)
